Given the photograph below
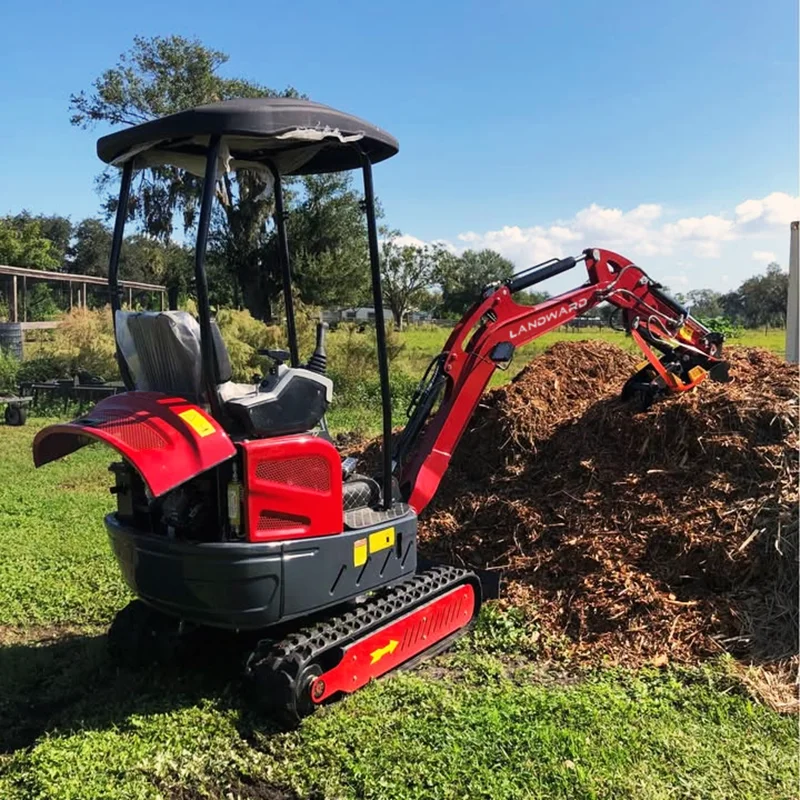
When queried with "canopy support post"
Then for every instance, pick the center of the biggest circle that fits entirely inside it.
(113, 266)
(380, 330)
(210, 377)
(286, 269)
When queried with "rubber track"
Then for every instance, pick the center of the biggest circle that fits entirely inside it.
(277, 667)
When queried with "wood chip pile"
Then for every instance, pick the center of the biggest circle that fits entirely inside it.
(657, 536)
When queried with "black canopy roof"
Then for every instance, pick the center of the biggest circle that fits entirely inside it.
(300, 137)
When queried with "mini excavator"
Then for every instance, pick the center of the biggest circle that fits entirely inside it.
(234, 509)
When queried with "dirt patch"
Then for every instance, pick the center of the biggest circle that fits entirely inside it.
(242, 791)
(43, 634)
(657, 536)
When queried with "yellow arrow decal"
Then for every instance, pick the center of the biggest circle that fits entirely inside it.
(378, 654)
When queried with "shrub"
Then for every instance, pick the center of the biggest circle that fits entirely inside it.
(42, 368)
(9, 369)
(724, 325)
(244, 336)
(41, 303)
(84, 341)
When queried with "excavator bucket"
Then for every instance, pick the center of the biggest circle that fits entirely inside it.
(720, 372)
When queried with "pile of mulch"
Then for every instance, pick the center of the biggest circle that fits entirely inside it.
(660, 536)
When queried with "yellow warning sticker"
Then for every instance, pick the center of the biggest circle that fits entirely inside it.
(695, 373)
(686, 333)
(380, 540)
(197, 422)
(360, 552)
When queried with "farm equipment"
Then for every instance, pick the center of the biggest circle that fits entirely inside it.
(234, 508)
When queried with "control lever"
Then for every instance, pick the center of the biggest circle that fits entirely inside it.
(319, 361)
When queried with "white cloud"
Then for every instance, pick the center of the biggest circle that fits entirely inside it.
(704, 234)
(641, 231)
(691, 248)
(619, 228)
(522, 245)
(777, 208)
(404, 240)
(764, 256)
(638, 232)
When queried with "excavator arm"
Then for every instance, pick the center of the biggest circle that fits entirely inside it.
(679, 353)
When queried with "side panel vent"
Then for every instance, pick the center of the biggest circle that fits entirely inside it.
(307, 472)
(287, 524)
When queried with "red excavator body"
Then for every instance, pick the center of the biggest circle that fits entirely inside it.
(234, 508)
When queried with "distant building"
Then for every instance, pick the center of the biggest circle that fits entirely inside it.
(586, 322)
(366, 314)
(358, 314)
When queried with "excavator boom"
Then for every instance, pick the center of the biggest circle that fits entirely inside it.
(679, 354)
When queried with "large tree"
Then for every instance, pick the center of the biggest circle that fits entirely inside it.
(328, 241)
(760, 300)
(53, 227)
(163, 75)
(406, 272)
(704, 303)
(463, 277)
(764, 297)
(22, 244)
(531, 298)
(91, 246)
(156, 77)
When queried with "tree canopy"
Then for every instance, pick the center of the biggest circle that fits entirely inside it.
(406, 272)
(163, 75)
(24, 244)
(703, 303)
(760, 300)
(463, 277)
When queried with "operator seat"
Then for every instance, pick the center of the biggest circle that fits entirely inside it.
(162, 352)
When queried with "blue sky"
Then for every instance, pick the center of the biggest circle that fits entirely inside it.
(667, 131)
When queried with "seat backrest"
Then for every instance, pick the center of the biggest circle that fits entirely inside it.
(162, 352)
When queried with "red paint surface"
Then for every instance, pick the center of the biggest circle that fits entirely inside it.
(417, 631)
(144, 428)
(293, 488)
(498, 318)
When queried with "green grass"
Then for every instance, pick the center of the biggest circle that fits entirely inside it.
(486, 721)
(55, 562)
(481, 731)
(355, 411)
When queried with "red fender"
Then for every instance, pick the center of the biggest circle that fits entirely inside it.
(167, 440)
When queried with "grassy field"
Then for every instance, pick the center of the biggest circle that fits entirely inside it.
(486, 721)
(420, 344)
